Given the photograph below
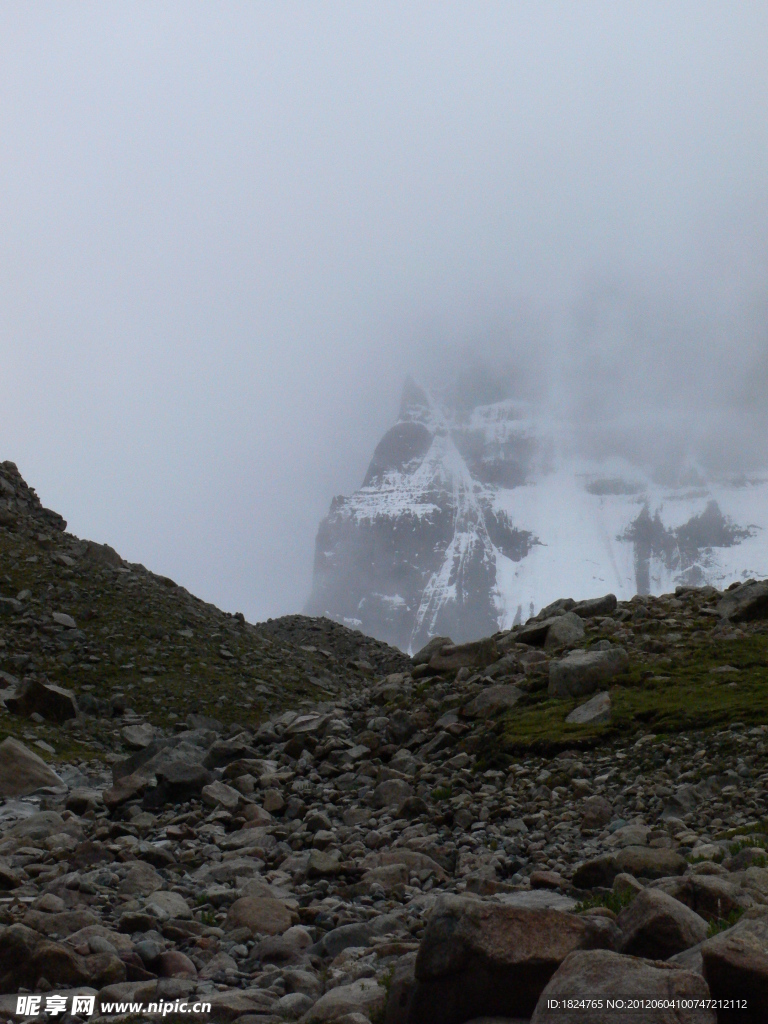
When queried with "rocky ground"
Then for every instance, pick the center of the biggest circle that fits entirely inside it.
(295, 822)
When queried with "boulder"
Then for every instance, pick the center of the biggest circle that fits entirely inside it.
(141, 880)
(708, 895)
(174, 964)
(168, 902)
(364, 996)
(602, 975)
(483, 959)
(17, 946)
(565, 631)
(534, 633)
(219, 794)
(492, 699)
(595, 606)
(177, 782)
(656, 926)
(597, 871)
(432, 646)
(224, 752)
(650, 862)
(22, 772)
(582, 672)
(745, 603)
(736, 966)
(391, 793)
(323, 863)
(62, 619)
(101, 554)
(359, 934)
(261, 914)
(592, 712)
(53, 702)
(250, 1004)
(477, 655)
(597, 813)
(138, 737)
(127, 788)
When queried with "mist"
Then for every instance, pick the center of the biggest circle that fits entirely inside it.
(229, 232)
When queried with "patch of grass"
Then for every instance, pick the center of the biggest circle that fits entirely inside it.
(442, 793)
(722, 924)
(746, 844)
(690, 698)
(717, 859)
(614, 901)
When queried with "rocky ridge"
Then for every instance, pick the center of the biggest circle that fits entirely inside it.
(575, 807)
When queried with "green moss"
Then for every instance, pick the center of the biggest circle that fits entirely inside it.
(614, 901)
(691, 697)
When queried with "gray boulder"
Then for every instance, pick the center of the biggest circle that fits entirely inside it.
(594, 711)
(595, 606)
(483, 959)
(657, 926)
(746, 603)
(433, 645)
(53, 702)
(601, 975)
(22, 772)
(566, 630)
(582, 672)
(736, 965)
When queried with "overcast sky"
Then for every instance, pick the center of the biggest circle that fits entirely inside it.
(228, 230)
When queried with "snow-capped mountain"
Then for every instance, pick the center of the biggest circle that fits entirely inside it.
(470, 520)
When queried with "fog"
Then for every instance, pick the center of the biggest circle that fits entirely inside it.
(229, 231)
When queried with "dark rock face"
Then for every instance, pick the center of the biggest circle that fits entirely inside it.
(466, 523)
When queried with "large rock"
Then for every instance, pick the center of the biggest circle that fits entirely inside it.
(224, 752)
(478, 655)
(601, 975)
(17, 946)
(432, 646)
(53, 702)
(261, 914)
(736, 967)
(22, 772)
(656, 926)
(597, 813)
(364, 996)
(534, 633)
(138, 737)
(650, 862)
(565, 631)
(492, 699)
(484, 959)
(126, 788)
(177, 782)
(581, 672)
(595, 606)
(358, 934)
(708, 895)
(249, 1004)
(746, 603)
(597, 871)
(141, 880)
(219, 794)
(391, 793)
(592, 712)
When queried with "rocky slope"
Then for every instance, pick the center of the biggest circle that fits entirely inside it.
(575, 807)
(473, 517)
